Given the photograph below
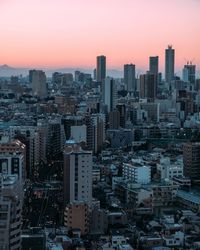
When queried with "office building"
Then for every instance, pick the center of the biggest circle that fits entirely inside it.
(153, 65)
(101, 68)
(169, 64)
(38, 83)
(109, 94)
(191, 160)
(35, 138)
(122, 111)
(69, 121)
(148, 86)
(77, 173)
(189, 73)
(11, 212)
(95, 131)
(129, 78)
(55, 138)
(114, 119)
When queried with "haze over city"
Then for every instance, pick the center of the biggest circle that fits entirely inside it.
(71, 33)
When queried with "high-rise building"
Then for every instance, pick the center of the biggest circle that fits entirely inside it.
(148, 86)
(101, 68)
(129, 78)
(35, 138)
(153, 65)
(189, 73)
(121, 107)
(109, 93)
(191, 160)
(114, 119)
(69, 121)
(95, 131)
(37, 79)
(55, 138)
(13, 158)
(77, 173)
(169, 64)
(11, 199)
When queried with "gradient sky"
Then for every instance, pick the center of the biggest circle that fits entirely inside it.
(70, 33)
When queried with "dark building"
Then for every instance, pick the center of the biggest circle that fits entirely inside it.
(148, 86)
(101, 68)
(190, 73)
(129, 78)
(122, 110)
(114, 119)
(169, 64)
(69, 121)
(191, 160)
(153, 65)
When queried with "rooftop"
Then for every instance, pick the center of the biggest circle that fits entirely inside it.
(189, 196)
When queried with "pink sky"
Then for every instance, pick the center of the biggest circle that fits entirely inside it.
(71, 33)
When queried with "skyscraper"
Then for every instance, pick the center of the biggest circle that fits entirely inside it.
(189, 73)
(109, 93)
(101, 68)
(169, 64)
(148, 86)
(77, 173)
(129, 77)
(153, 65)
(38, 82)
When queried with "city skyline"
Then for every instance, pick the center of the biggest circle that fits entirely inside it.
(72, 34)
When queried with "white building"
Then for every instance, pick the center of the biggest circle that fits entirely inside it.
(77, 173)
(137, 173)
(169, 170)
(10, 212)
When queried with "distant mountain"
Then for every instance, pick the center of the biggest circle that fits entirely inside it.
(5, 67)
(7, 71)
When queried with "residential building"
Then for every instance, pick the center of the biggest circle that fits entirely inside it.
(77, 173)
(10, 212)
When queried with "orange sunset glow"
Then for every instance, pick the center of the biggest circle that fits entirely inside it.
(67, 33)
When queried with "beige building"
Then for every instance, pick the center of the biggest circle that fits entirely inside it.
(76, 216)
(77, 173)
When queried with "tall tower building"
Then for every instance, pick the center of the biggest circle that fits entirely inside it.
(191, 160)
(153, 65)
(109, 93)
(77, 173)
(37, 79)
(169, 64)
(101, 68)
(189, 73)
(129, 77)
